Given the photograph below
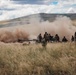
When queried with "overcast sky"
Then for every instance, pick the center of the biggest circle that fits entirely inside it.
(10, 9)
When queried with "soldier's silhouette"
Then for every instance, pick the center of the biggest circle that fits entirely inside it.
(57, 38)
(72, 39)
(46, 36)
(64, 39)
(44, 42)
(40, 37)
(75, 36)
(50, 37)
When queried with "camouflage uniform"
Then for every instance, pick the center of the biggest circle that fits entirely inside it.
(64, 39)
(57, 38)
(40, 37)
(72, 39)
(46, 37)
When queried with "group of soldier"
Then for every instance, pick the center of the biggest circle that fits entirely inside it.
(49, 38)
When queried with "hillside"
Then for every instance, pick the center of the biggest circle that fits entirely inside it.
(40, 17)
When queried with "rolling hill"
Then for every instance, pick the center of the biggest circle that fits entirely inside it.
(37, 17)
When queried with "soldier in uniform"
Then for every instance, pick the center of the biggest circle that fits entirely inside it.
(57, 38)
(75, 36)
(46, 36)
(64, 39)
(72, 39)
(45, 40)
(50, 37)
(40, 37)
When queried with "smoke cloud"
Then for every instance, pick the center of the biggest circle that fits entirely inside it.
(62, 26)
(12, 36)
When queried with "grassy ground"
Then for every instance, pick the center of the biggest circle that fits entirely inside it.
(56, 59)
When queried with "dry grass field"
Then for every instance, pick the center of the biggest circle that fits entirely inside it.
(56, 59)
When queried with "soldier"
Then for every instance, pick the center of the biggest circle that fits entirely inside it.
(40, 37)
(46, 36)
(53, 39)
(72, 39)
(64, 39)
(45, 39)
(57, 38)
(44, 43)
(75, 36)
(50, 37)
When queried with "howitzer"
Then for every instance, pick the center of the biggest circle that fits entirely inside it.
(27, 40)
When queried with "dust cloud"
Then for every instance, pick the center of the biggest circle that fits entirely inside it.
(62, 26)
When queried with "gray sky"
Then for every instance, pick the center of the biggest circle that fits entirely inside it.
(10, 9)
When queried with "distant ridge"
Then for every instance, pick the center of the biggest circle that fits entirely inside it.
(43, 16)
